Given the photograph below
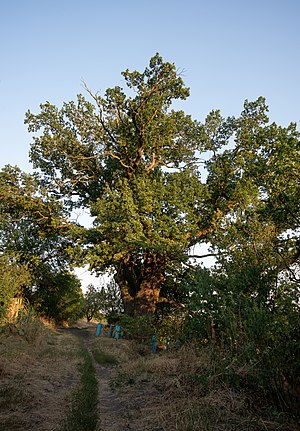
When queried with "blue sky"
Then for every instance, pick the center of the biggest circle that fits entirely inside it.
(229, 51)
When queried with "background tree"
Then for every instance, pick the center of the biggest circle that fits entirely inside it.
(92, 303)
(263, 231)
(58, 296)
(102, 301)
(34, 238)
(32, 223)
(249, 303)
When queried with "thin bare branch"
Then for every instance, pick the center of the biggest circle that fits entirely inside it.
(202, 256)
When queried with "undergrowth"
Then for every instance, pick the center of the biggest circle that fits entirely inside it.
(191, 388)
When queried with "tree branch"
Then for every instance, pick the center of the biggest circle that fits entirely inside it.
(196, 256)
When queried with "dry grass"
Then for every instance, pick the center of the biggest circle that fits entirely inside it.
(38, 369)
(190, 396)
(181, 390)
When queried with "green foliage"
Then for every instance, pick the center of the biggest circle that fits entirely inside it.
(58, 296)
(13, 277)
(263, 171)
(31, 219)
(102, 301)
(254, 331)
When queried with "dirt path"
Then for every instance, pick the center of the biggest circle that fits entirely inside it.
(124, 408)
(39, 371)
(112, 416)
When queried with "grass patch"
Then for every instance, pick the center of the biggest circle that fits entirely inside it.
(124, 379)
(10, 396)
(104, 358)
(83, 412)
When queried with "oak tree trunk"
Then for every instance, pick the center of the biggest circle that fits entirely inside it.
(140, 285)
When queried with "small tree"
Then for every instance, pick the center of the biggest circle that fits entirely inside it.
(103, 300)
(92, 303)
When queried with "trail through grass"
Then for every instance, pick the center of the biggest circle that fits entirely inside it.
(57, 380)
(83, 412)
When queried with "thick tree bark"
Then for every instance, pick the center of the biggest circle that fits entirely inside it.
(140, 285)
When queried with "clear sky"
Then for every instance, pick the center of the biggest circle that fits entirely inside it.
(229, 50)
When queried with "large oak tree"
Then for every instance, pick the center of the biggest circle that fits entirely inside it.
(135, 163)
